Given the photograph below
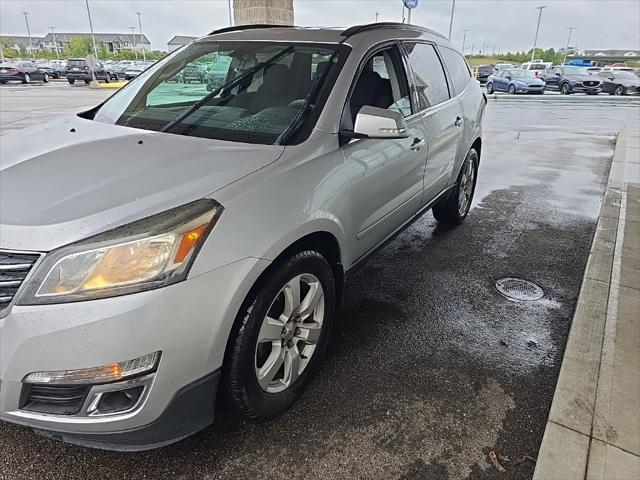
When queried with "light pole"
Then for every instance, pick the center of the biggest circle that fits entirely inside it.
(94, 84)
(144, 55)
(535, 41)
(377, 14)
(26, 19)
(453, 8)
(464, 39)
(571, 29)
(55, 42)
(230, 14)
(133, 39)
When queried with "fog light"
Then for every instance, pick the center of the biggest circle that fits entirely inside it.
(118, 401)
(105, 374)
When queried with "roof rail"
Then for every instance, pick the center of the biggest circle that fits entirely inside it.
(238, 28)
(375, 26)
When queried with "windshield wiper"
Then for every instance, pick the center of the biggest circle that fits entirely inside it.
(308, 106)
(196, 106)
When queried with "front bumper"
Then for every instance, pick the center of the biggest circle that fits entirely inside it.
(529, 89)
(586, 89)
(189, 322)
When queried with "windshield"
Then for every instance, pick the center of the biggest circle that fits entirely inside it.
(521, 74)
(264, 91)
(575, 70)
(537, 66)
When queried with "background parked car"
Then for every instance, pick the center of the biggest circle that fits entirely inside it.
(569, 79)
(136, 69)
(22, 71)
(77, 69)
(217, 74)
(515, 81)
(484, 72)
(537, 68)
(194, 72)
(620, 82)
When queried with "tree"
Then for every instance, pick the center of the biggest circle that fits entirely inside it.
(79, 47)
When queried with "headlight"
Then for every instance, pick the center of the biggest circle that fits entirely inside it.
(142, 255)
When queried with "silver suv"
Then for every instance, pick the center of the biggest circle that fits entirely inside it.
(174, 242)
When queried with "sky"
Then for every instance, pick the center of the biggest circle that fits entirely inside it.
(507, 25)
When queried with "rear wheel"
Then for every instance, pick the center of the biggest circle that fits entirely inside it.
(71, 81)
(489, 87)
(45, 78)
(26, 78)
(453, 209)
(280, 335)
(511, 90)
(87, 82)
(619, 90)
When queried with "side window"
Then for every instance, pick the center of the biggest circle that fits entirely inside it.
(429, 79)
(382, 83)
(457, 67)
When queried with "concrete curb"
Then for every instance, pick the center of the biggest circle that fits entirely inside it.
(593, 429)
(602, 98)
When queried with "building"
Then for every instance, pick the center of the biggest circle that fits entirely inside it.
(178, 41)
(112, 42)
(271, 12)
(18, 43)
(612, 53)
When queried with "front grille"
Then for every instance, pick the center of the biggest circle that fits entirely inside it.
(590, 83)
(14, 267)
(53, 399)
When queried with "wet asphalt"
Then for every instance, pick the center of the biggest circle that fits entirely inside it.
(430, 368)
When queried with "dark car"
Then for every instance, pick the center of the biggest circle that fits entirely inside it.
(194, 72)
(515, 81)
(620, 82)
(569, 79)
(77, 69)
(22, 71)
(484, 72)
(217, 74)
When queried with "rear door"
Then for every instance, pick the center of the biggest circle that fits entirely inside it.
(440, 112)
(552, 79)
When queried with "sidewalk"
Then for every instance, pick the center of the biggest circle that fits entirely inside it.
(593, 429)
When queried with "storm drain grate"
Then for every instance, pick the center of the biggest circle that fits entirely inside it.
(518, 289)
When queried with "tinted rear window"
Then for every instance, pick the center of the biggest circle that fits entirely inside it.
(457, 67)
(429, 78)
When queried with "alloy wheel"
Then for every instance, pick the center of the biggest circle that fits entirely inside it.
(289, 333)
(27, 78)
(467, 184)
(619, 90)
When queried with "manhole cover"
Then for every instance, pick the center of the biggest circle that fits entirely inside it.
(518, 289)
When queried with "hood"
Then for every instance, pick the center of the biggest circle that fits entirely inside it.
(583, 78)
(58, 186)
(627, 82)
(529, 81)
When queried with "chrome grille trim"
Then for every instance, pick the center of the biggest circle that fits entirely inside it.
(15, 267)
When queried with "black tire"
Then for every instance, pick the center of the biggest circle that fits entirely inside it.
(447, 210)
(45, 78)
(107, 79)
(26, 78)
(239, 377)
(71, 81)
(565, 89)
(619, 90)
(511, 90)
(3, 82)
(87, 82)
(489, 88)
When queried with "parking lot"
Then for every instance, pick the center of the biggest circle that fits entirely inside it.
(430, 368)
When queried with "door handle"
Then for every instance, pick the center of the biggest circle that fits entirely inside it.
(418, 143)
(458, 121)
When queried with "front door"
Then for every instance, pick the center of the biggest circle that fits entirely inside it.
(385, 175)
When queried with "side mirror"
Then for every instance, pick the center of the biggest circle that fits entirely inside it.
(374, 122)
(508, 77)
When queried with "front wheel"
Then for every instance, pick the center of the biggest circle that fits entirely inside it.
(453, 209)
(26, 78)
(280, 335)
(511, 90)
(619, 90)
(71, 81)
(45, 78)
(565, 89)
(489, 88)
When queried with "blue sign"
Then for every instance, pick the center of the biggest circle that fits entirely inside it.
(411, 4)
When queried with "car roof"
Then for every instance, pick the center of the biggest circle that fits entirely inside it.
(352, 35)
